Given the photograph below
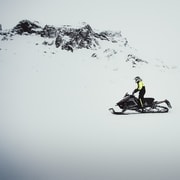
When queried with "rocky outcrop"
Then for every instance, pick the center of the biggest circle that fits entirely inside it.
(67, 37)
(49, 31)
(135, 60)
(26, 26)
(76, 38)
(58, 41)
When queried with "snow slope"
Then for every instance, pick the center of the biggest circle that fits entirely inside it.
(55, 123)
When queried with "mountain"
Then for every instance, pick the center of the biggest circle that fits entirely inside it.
(82, 37)
(54, 101)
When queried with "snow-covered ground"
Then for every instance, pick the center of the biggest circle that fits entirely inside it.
(55, 123)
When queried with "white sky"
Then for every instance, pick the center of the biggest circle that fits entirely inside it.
(151, 26)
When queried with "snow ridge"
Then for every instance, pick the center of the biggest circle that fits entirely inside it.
(67, 37)
(71, 38)
(103, 44)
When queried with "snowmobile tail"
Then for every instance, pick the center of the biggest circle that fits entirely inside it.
(168, 103)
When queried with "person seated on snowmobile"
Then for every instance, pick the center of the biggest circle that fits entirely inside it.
(141, 89)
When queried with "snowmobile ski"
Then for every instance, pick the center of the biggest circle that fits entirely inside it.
(158, 109)
(116, 112)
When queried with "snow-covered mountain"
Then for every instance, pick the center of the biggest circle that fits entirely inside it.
(67, 37)
(105, 43)
(57, 84)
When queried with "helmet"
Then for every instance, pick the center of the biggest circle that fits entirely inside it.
(137, 79)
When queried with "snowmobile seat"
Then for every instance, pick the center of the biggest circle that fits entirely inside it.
(148, 101)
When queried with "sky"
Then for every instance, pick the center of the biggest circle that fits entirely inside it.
(151, 26)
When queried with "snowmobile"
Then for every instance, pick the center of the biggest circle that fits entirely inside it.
(130, 102)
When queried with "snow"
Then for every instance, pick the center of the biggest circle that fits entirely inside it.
(55, 123)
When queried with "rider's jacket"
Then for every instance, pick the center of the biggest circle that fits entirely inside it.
(140, 87)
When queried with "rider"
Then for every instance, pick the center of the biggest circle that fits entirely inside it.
(142, 90)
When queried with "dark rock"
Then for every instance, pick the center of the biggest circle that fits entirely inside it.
(0, 27)
(68, 47)
(94, 55)
(26, 26)
(135, 60)
(101, 36)
(48, 43)
(5, 38)
(49, 31)
(58, 41)
(72, 38)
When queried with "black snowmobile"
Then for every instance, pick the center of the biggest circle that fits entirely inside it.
(130, 102)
